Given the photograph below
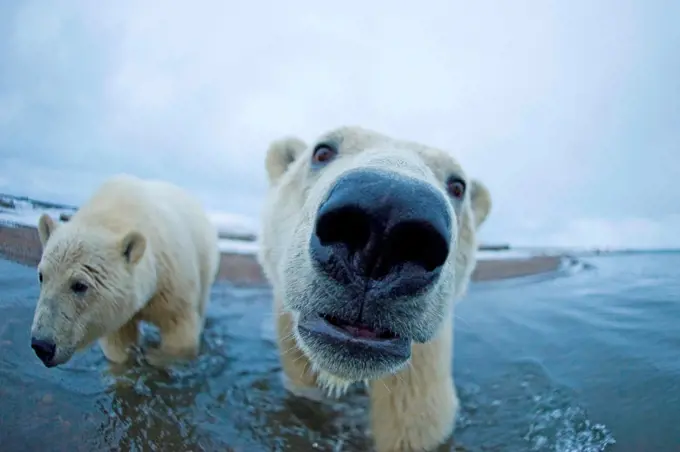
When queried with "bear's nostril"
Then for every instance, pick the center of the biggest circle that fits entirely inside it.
(415, 242)
(43, 349)
(348, 225)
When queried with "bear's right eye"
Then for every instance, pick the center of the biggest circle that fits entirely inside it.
(323, 153)
(40, 277)
(79, 287)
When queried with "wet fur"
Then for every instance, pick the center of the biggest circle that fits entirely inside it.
(148, 252)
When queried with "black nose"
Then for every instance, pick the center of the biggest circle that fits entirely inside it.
(383, 228)
(45, 350)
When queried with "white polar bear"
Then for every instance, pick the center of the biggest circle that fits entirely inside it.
(367, 241)
(137, 250)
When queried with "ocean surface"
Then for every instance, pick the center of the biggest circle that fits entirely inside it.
(572, 361)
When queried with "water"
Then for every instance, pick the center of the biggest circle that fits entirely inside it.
(585, 362)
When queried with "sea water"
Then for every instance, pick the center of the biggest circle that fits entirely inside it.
(569, 361)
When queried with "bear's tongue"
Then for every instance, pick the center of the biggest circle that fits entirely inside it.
(360, 331)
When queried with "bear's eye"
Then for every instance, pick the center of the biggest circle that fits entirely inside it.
(40, 277)
(79, 287)
(323, 153)
(456, 187)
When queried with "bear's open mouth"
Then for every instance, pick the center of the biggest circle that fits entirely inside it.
(359, 330)
(352, 350)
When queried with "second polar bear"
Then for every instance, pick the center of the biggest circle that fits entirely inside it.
(367, 240)
(137, 250)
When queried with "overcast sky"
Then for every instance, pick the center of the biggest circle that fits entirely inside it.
(568, 110)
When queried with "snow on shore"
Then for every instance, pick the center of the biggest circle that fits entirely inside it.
(24, 212)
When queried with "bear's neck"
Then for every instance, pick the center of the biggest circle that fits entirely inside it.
(146, 278)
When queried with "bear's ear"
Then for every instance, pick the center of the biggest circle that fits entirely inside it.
(280, 155)
(132, 247)
(481, 201)
(46, 227)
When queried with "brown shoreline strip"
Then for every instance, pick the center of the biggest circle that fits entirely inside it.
(22, 245)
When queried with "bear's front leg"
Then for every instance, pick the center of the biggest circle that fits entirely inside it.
(116, 346)
(415, 410)
(180, 339)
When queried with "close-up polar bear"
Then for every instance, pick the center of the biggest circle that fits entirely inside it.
(137, 250)
(367, 241)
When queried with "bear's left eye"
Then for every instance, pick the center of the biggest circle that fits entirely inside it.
(79, 287)
(455, 187)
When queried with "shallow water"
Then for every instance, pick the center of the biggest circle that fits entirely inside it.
(581, 362)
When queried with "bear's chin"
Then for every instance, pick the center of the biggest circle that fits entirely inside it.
(61, 357)
(343, 354)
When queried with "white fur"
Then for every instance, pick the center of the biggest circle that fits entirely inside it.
(414, 405)
(147, 251)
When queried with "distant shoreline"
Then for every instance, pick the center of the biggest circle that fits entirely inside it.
(21, 244)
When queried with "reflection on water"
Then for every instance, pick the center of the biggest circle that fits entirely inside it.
(561, 364)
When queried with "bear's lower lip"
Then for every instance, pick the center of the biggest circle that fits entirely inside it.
(339, 333)
(55, 362)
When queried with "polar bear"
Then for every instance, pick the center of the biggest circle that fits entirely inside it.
(367, 241)
(137, 250)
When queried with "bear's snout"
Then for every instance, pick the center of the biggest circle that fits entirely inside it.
(382, 231)
(44, 350)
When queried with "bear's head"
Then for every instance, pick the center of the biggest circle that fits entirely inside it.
(87, 288)
(367, 240)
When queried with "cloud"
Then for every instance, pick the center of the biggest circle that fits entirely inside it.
(567, 110)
